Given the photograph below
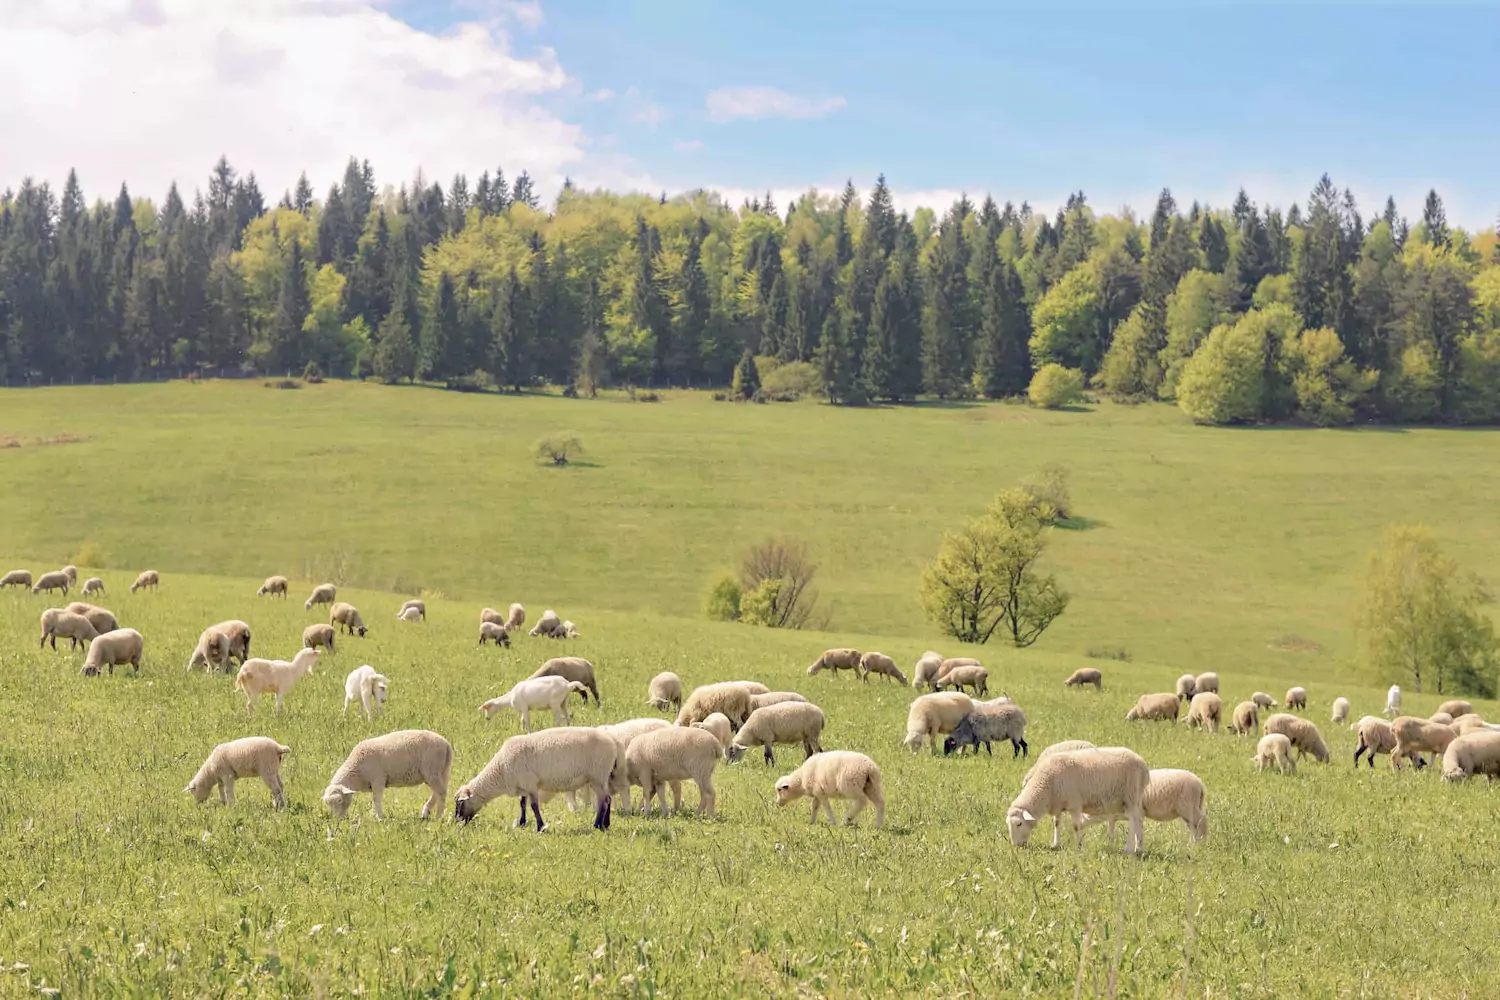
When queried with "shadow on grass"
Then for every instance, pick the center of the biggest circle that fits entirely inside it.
(573, 463)
(1080, 523)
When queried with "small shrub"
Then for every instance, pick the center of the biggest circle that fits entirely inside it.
(776, 585)
(313, 373)
(648, 396)
(478, 380)
(558, 448)
(283, 383)
(720, 396)
(723, 601)
(1049, 485)
(1054, 387)
(790, 382)
(746, 384)
(91, 553)
(761, 605)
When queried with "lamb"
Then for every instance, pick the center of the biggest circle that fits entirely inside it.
(68, 624)
(1303, 734)
(1393, 701)
(1296, 698)
(555, 760)
(972, 676)
(1185, 685)
(347, 617)
(726, 697)
(1206, 682)
(1206, 711)
(274, 585)
(409, 615)
(789, 722)
(52, 581)
(249, 757)
(1171, 794)
(537, 692)
(773, 698)
(71, 572)
(1061, 747)
(1414, 735)
(926, 670)
(1085, 675)
(1465, 724)
(119, 646)
(572, 668)
(93, 585)
(1456, 707)
(403, 759)
(932, 715)
(260, 676)
(879, 663)
(490, 631)
(318, 635)
(665, 691)
(1471, 754)
(1246, 719)
(17, 578)
(835, 774)
(1275, 749)
(147, 578)
(670, 756)
(1154, 708)
(102, 619)
(516, 617)
(1002, 722)
(420, 606)
(1340, 711)
(547, 624)
(1264, 700)
(211, 652)
(834, 660)
(323, 593)
(369, 688)
(718, 724)
(1375, 736)
(1110, 781)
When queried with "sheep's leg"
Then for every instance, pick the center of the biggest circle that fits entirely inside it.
(347, 700)
(1056, 831)
(676, 796)
(601, 811)
(278, 702)
(770, 758)
(434, 802)
(222, 800)
(707, 798)
(1137, 831)
(560, 715)
(857, 807)
(536, 812)
(226, 790)
(1078, 828)
(377, 789)
(278, 797)
(1357, 752)
(816, 803)
(522, 821)
(526, 719)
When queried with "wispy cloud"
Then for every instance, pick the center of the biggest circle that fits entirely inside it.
(601, 95)
(526, 13)
(756, 103)
(687, 145)
(642, 109)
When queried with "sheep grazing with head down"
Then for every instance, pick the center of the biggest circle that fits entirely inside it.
(368, 688)
(1340, 711)
(1303, 734)
(991, 724)
(275, 586)
(547, 624)
(492, 617)
(491, 632)
(148, 578)
(1171, 794)
(926, 670)
(1393, 701)
(409, 615)
(123, 645)
(1456, 707)
(93, 585)
(1465, 724)
(1154, 708)
(1185, 685)
(835, 774)
(1063, 746)
(1084, 676)
(1471, 754)
(419, 605)
(1206, 682)
(51, 581)
(966, 676)
(1246, 719)
(951, 664)
(1109, 781)
(102, 619)
(403, 759)
(211, 653)
(323, 593)
(728, 698)
(879, 663)
(1205, 711)
(17, 578)
(1416, 736)
(71, 572)
(258, 676)
(718, 724)
(1375, 736)
(665, 757)
(346, 616)
(773, 698)
(555, 760)
(318, 635)
(664, 693)
(794, 722)
(1296, 697)
(1264, 700)
(70, 625)
(515, 617)
(538, 692)
(834, 660)
(249, 757)
(934, 715)
(238, 635)
(1275, 750)
(571, 668)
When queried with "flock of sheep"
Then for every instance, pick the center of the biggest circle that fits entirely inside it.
(723, 721)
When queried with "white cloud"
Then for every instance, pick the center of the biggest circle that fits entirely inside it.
(602, 94)
(687, 145)
(641, 109)
(730, 103)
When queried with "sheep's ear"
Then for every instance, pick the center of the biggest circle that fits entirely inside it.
(1027, 816)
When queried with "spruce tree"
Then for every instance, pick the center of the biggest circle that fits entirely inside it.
(843, 240)
(880, 217)
(773, 324)
(947, 325)
(395, 354)
(1213, 241)
(1002, 363)
(286, 340)
(746, 384)
(302, 196)
(441, 353)
(523, 194)
(458, 203)
(1435, 222)
(1242, 209)
(333, 230)
(835, 362)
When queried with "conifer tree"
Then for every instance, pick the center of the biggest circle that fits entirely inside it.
(746, 383)
(302, 195)
(522, 193)
(1435, 222)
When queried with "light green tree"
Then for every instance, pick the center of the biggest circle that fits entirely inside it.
(1066, 324)
(1054, 387)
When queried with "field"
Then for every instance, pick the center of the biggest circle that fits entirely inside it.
(1200, 549)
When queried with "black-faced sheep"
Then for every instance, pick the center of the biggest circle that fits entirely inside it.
(346, 616)
(993, 724)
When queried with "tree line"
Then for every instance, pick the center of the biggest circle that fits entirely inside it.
(1240, 314)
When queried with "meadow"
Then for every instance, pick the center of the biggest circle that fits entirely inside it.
(1200, 549)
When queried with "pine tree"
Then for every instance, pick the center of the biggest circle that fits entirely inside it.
(1214, 242)
(458, 203)
(395, 354)
(499, 202)
(333, 231)
(1242, 209)
(522, 193)
(843, 240)
(302, 196)
(835, 364)
(1002, 364)
(1435, 222)
(880, 217)
(441, 353)
(773, 324)
(1323, 285)
(947, 325)
(1252, 259)
(746, 384)
(287, 345)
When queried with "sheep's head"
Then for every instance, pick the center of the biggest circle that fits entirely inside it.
(734, 753)
(362, 630)
(337, 799)
(464, 809)
(814, 669)
(381, 691)
(787, 790)
(198, 790)
(949, 745)
(915, 741)
(1019, 822)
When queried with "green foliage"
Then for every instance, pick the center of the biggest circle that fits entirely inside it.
(760, 605)
(1049, 486)
(1066, 324)
(791, 381)
(1193, 310)
(746, 378)
(1234, 378)
(558, 448)
(1274, 289)
(1327, 385)
(776, 585)
(1130, 367)
(1054, 387)
(723, 601)
(90, 554)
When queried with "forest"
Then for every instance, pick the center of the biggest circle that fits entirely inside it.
(1241, 314)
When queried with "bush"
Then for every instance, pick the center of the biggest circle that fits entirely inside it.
(649, 396)
(723, 601)
(746, 383)
(719, 396)
(91, 553)
(776, 585)
(558, 448)
(761, 605)
(283, 383)
(790, 382)
(1054, 387)
(477, 381)
(1049, 485)
(313, 373)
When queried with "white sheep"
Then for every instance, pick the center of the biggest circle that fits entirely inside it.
(547, 624)
(1393, 701)
(1465, 724)
(17, 578)
(1108, 781)
(1085, 675)
(419, 606)
(879, 663)
(491, 616)
(1206, 710)
(1275, 749)
(1171, 794)
(670, 756)
(318, 635)
(718, 724)
(71, 572)
(752, 688)
(492, 632)
(729, 698)
(93, 585)
(368, 688)
(1063, 746)
(516, 617)
(990, 724)
(1340, 711)
(239, 637)
(403, 759)
(346, 616)
(1246, 719)
(1471, 754)
(123, 645)
(68, 624)
(932, 715)
(258, 676)
(665, 691)
(409, 615)
(967, 675)
(537, 692)
(835, 774)
(1415, 736)
(1456, 707)
(274, 585)
(572, 668)
(49, 582)
(787, 722)
(773, 698)
(249, 757)
(1185, 685)
(1304, 735)
(564, 759)
(323, 593)
(1263, 700)
(211, 652)
(1206, 682)
(1375, 736)
(567, 630)
(624, 733)
(1442, 717)
(1154, 708)
(950, 663)
(834, 660)
(148, 578)
(102, 619)
(1296, 697)
(926, 669)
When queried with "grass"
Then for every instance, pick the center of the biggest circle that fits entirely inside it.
(114, 882)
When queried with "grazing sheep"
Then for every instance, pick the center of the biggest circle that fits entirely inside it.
(567, 630)
(670, 756)
(71, 572)
(624, 733)
(1375, 736)
(1001, 722)
(68, 624)
(1465, 724)
(1456, 707)
(1109, 781)
(516, 617)
(1415, 736)
(1206, 710)
(93, 585)
(212, 652)
(773, 698)
(727, 697)
(1296, 698)
(1303, 734)
(879, 663)
(972, 676)
(1185, 687)
(17, 578)
(1086, 675)
(257, 676)
(665, 691)
(718, 724)
(1471, 754)
(834, 660)
(537, 692)
(53, 581)
(1064, 746)
(490, 631)
(932, 715)
(323, 593)
(420, 606)
(493, 617)
(102, 619)
(346, 616)
(835, 774)
(369, 688)
(147, 578)
(547, 624)
(572, 668)
(1441, 717)
(1340, 711)
(554, 760)
(239, 637)
(1393, 701)
(119, 646)
(752, 688)
(1206, 682)
(788, 722)
(409, 615)
(318, 635)
(1275, 749)
(249, 757)
(1246, 719)
(926, 670)
(274, 585)
(1264, 700)
(1171, 794)
(952, 662)
(403, 759)
(1154, 708)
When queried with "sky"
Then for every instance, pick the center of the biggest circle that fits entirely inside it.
(1022, 101)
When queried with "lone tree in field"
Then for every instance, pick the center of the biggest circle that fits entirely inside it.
(558, 448)
(746, 378)
(985, 578)
(776, 585)
(1420, 617)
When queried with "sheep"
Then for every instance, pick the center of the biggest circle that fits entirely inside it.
(274, 585)
(93, 585)
(403, 759)
(670, 756)
(68, 624)
(118, 646)
(752, 688)
(516, 617)
(346, 616)
(773, 698)
(1264, 700)
(932, 715)
(1085, 675)
(323, 593)
(260, 676)
(1206, 710)
(369, 688)
(489, 631)
(1471, 754)
(1296, 697)
(51, 581)
(954, 661)
(1206, 682)
(147, 578)
(1155, 708)
(718, 724)
(1108, 781)
(1465, 724)
(493, 617)
(1303, 734)
(102, 619)
(572, 668)
(1061, 747)
(624, 733)
(1246, 719)
(555, 760)
(1340, 711)
(212, 652)
(789, 722)
(71, 572)
(972, 676)
(420, 606)
(318, 635)
(409, 615)
(1456, 707)
(547, 624)
(926, 670)
(1185, 685)
(248, 757)
(1393, 701)
(664, 692)
(1275, 749)
(835, 774)
(1375, 736)
(1414, 735)
(1171, 794)
(567, 630)
(726, 697)
(17, 578)
(1441, 717)
(537, 692)
(1003, 722)
(879, 663)
(834, 660)
(239, 637)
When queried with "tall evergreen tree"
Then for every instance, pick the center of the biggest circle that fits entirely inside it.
(1214, 242)
(458, 203)
(1435, 222)
(302, 196)
(843, 240)
(836, 363)
(880, 217)
(1002, 363)
(947, 324)
(441, 351)
(287, 346)
(523, 193)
